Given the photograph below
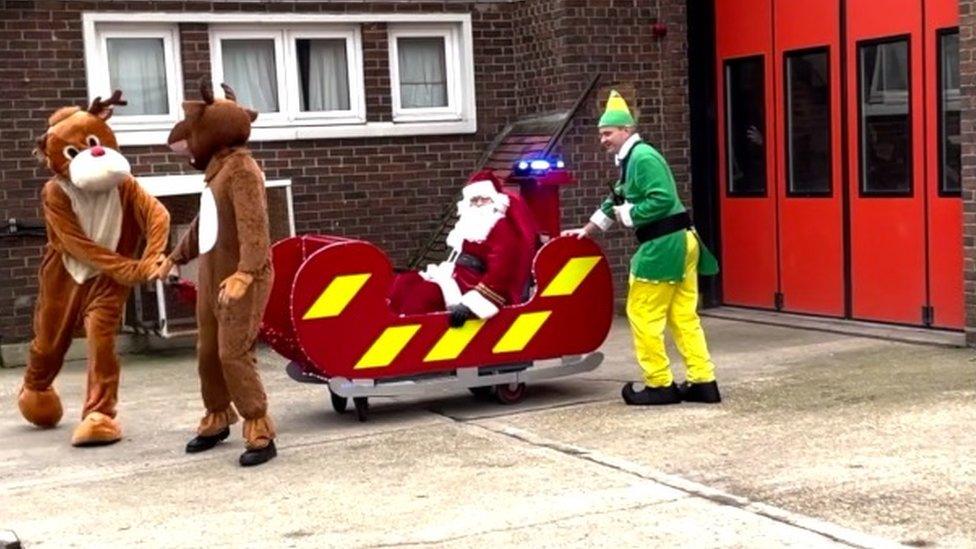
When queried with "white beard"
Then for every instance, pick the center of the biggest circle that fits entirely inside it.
(474, 223)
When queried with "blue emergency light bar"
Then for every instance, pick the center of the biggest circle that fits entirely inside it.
(538, 165)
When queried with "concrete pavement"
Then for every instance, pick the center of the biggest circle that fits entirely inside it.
(823, 440)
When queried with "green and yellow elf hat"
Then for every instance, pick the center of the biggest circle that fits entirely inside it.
(616, 113)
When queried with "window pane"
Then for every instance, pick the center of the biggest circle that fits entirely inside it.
(949, 113)
(323, 74)
(745, 122)
(249, 68)
(885, 126)
(137, 66)
(423, 72)
(808, 123)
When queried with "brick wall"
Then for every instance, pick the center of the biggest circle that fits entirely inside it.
(567, 42)
(967, 73)
(530, 56)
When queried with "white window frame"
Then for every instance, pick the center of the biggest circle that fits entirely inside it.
(289, 101)
(325, 127)
(452, 67)
(356, 114)
(218, 33)
(99, 84)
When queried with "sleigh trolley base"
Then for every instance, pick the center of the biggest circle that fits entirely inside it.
(504, 383)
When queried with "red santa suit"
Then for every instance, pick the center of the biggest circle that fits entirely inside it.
(488, 266)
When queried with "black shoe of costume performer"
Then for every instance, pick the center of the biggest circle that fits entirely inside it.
(259, 456)
(200, 443)
(651, 396)
(700, 392)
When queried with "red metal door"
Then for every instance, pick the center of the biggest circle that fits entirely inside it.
(886, 159)
(808, 147)
(942, 173)
(746, 161)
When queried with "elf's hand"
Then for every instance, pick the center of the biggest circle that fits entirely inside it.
(234, 287)
(582, 232)
(622, 213)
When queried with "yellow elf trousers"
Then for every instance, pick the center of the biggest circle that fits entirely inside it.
(653, 305)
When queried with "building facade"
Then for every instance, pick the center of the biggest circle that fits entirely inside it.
(374, 113)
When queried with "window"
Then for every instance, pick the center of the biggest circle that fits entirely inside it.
(292, 75)
(808, 123)
(745, 122)
(252, 62)
(303, 72)
(425, 72)
(323, 75)
(950, 152)
(885, 126)
(326, 76)
(142, 61)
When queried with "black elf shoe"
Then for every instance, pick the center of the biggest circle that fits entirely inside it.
(651, 396)
(259, 456)
(700, 392)
(200, 443)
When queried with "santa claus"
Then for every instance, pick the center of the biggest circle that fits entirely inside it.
(492, 246)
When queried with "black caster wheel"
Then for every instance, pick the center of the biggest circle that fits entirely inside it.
(362, 406)
(339, 403)
(481, 393)
(510, 393)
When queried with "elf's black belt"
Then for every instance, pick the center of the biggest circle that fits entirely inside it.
(656, 229)
(471, 262)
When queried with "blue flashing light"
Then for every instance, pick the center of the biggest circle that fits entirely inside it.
(539, 165)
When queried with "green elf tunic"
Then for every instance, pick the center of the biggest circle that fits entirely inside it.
(650, 194)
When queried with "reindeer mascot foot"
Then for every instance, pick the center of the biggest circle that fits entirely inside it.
(42, 408)
(97, 429)
(213, 429)
(258, 441)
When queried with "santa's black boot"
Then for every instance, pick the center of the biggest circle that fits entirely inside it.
(651, 396)
(700, 392)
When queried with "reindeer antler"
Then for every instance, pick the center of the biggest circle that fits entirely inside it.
(229, 93)
(97, 105)
(206, 90)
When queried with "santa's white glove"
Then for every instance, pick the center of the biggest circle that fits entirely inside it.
(440, 272)
(622, 213)
(454, 239)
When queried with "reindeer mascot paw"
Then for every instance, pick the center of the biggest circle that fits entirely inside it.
(96, 216)
(230, 237)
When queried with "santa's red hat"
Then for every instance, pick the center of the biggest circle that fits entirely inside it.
(483, 183)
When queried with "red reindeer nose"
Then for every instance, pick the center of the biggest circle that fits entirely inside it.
(97, 151)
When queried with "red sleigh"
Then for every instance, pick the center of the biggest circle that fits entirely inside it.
(328, 314)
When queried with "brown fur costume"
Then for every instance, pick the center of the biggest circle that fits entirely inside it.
(235, 273)
(83, 280)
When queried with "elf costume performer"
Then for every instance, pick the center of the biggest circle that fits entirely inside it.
(96, 217)
(230, 238)
(664, 271)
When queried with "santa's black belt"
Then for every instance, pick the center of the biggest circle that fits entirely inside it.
(471, 262)
(656, 229)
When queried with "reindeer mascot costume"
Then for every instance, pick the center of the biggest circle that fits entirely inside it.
(96, 215)
(230, 236)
